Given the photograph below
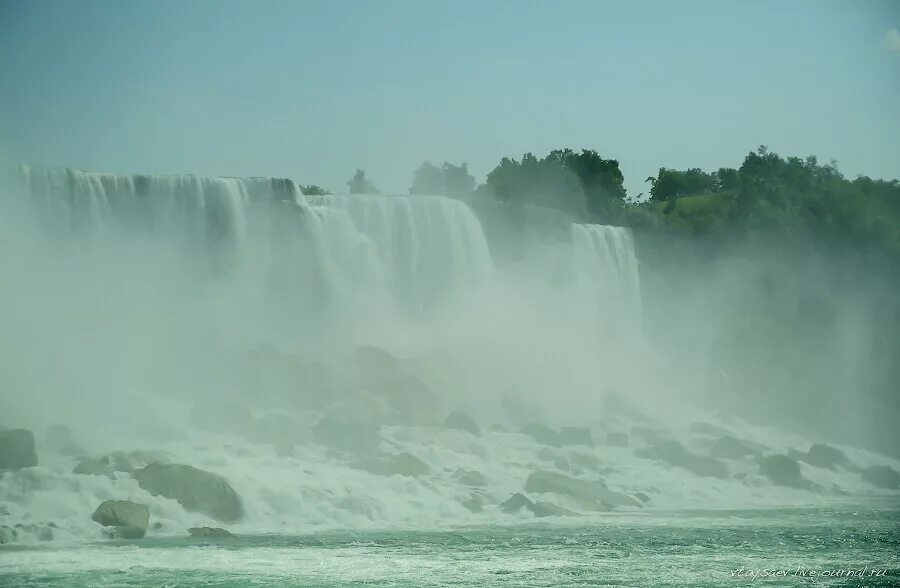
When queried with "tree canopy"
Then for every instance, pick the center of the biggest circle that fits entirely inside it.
(359, 184)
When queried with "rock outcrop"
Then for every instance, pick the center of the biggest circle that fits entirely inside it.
(674, 453)
(210, 532)
(882, 476)
(402, 464)
(590, 495)
(462, 421)
(782, 470)
(90, 466)
(196, 490)
(727, 447)
(518, 501)
(129, 519)
(17, 449)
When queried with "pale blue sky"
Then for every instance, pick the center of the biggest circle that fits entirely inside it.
(312, 90)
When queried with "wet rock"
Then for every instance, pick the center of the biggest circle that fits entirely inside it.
(8, 535)
(674, 453)
(209, 532)
(782, 470)
(515, 503)
(17, 449)
(642, 497)
(575, 436)
(519, 501)
(402, 464)
(617, 439)
(882, 476)
(462, 421)
(94, 467)
(547, 509)
(130, 519)
(542, 434)
(196, 490)
(474, 503)
(591, 495)
(727, 447)
(130, 461)
(828, 457)
(470, 478)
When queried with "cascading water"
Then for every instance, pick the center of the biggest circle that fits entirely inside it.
(429, 246)
(606, 269)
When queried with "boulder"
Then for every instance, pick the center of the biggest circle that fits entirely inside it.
(209, 532)
(519, 501)
(642, 497)
(129, 518)
(462, 421)
(617, 439)
(674, 453)
(575, 436)
(8, 534)
(782, 470)
(591, 495)
(542, 434)
(196, 490)
(17, 449)
(90, 466)
(474, 503)
(411, 400)
(727, 447)
(402, 464)
(882, 476)
(547, 509)
(828, 457)
(515, 503)
(470, 478)
(130, 461)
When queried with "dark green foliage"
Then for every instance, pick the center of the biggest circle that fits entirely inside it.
(583, 184)
(359, 184)
(447, 180)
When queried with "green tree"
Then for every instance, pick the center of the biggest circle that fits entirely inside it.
(359, 184)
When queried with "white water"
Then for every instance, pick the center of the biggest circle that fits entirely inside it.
(156, 278)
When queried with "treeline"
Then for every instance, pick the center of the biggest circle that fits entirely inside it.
(785, 195)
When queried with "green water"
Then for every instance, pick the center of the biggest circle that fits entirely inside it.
(797, 547)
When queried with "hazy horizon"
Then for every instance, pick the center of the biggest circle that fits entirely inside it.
(313, 90)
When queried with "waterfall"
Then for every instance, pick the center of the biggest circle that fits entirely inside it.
(429, 246)
(606, 271)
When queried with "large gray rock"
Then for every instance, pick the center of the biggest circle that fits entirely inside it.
(470, 478)
(196, 490)
(210, 532)
(727, 447)
(90, 466)
(130, 519)
(462, 421)
(590, 495)
(17, 449)
(782, 470)
(542, 434)
(828, 457)
(402, 464)
(518, 501)
(882, 476)
(575, 436)
(674, 453)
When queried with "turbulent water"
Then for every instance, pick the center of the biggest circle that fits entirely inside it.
(216, 322)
